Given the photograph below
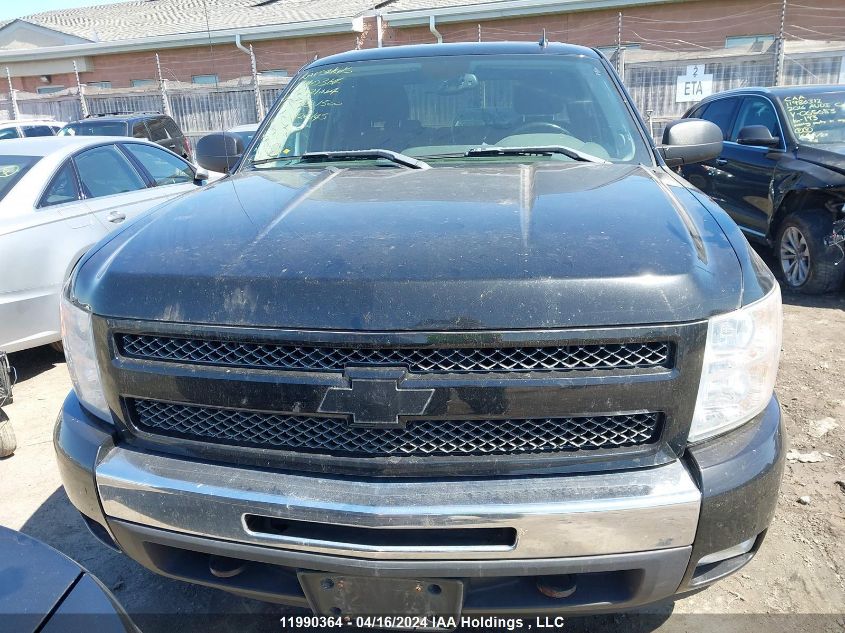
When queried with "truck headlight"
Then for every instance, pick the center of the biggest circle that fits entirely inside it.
(78, 340)
(740, 366)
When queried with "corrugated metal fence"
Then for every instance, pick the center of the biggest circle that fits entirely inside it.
(651, 77)
(197, 109)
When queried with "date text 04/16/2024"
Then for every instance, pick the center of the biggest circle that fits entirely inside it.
(422, 622)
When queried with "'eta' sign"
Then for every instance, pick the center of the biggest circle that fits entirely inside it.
(694, 85)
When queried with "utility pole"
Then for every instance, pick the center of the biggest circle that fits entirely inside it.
(619, 44)
(12, 95)
(82, 105)
(162, 87)
(259, 103)
(781, 46)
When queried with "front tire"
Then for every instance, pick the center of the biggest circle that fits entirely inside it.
(807, 263)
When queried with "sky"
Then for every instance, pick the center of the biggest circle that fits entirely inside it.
(10, 9)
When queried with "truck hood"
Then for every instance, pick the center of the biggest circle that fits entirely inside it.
(499, 246)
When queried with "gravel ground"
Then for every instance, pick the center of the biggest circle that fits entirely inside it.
(799, 572)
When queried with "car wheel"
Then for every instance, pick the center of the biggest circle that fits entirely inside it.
(807, 263)
(8, 444)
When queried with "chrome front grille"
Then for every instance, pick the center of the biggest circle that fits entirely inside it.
(335, 436)
(304, 357)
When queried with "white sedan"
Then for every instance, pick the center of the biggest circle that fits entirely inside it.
(58, 196)
(29, 127)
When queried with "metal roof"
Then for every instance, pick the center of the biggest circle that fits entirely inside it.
(159, 18)
(150, 18)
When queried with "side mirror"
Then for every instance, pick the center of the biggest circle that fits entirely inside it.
(200, 174)
(219, 152)
(690, 141)
(757, 135)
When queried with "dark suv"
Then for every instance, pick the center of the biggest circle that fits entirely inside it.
(154, 126)
(781, 175)
(451, 337)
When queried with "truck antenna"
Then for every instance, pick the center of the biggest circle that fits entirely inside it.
(543, 41)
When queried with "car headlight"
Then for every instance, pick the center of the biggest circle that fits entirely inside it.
(78, 341)
(740, 366)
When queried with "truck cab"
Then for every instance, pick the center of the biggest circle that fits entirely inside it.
(451, 337)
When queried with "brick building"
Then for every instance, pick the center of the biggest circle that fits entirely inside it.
(114, 46)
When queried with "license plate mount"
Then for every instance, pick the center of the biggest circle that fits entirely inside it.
(341, 595)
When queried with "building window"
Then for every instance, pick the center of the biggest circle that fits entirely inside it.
(204, 79)
(99, 84)
(274, 73)
(758, 42)
(140, 83)
(45, 90)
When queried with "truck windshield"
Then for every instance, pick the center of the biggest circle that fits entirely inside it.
(817, 118)
(442, 107)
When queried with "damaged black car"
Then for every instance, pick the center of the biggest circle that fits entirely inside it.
(781, 175)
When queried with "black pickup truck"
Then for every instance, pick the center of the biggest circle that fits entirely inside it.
(451, 337)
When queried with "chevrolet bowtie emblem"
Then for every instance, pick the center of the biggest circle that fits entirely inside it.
(376, 400)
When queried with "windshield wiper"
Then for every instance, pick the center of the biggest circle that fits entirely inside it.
(365, 154)
(538, 150)
(351, 154)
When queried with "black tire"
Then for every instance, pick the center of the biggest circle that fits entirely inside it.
(826, 265)
(8, 443)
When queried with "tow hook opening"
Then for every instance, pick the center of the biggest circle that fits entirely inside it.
(561, 586)
(225, 567)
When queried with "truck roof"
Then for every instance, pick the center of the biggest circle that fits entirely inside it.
(462, 48)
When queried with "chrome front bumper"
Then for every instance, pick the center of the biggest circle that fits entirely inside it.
(554, 517)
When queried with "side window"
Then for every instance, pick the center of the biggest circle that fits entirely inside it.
(139, 130)
(172, 129)
(165, 168)
(157, 131)
(105, 171)
(9, 132)
(757, 111)
(721, 112)
(62, 188)
(37, 130)
(696, 114)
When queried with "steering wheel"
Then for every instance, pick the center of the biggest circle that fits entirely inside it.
(540, 126)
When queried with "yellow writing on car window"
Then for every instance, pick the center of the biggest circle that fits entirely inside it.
(807, 112)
